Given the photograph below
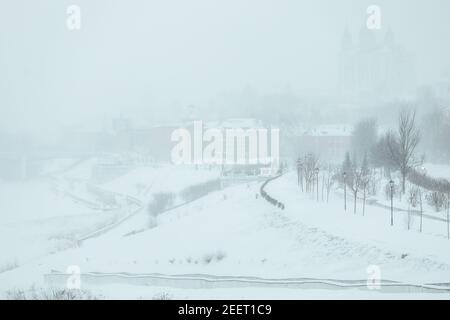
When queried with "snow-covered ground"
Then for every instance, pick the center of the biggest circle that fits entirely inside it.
(232, 232)
(143, 181)
(400, 253)
(45, 216)
(38, 218)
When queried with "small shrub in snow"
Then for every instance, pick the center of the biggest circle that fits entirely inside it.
(220, 255)
(207, 258)
(438, 200)
(161, 201)
(199, 190)
(50, 294)
(162, 296)
(15, 294)
(414, 196)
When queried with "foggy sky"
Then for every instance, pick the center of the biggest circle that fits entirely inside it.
(140, 55)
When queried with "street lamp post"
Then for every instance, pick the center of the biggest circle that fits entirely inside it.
(448, 210)
(345, 190)
(317, 175)
(424, 173)
(391, 186)
(300, 172)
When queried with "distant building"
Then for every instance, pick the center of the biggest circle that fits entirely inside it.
(147, 144)
(154, 141)
(329, 142)
(373, 67)
(157, 142)
(247, 168)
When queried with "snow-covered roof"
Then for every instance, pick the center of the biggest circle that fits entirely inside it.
(332, 130)
(241, 123)
(244, 123)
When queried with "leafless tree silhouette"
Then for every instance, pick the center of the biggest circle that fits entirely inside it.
(403, 145)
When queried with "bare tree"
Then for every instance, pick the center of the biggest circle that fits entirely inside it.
(329, 179)
(403, 145)
(365, 180)
(355, 182)
(323, 185)
(299, 164)
(309, 165)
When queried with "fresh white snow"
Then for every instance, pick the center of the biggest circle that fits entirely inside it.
(232, 232)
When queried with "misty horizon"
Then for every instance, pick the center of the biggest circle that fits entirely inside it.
(150, 60)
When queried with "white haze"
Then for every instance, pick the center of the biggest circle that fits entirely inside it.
(145, 58)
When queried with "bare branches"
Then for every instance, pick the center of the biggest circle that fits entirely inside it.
(403, 145)
(409, 136)
(310, 163)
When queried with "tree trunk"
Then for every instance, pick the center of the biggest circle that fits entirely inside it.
(364, 202)
(403, 182)
(323, 186)
(409, 215)
(448, 212)
(421, 209)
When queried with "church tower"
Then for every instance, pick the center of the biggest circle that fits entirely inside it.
(372, 69)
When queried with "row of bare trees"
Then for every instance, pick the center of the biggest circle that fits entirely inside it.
(360, 175)
(310, 173)
(357, 177)
(396, 150)
(306, 171)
